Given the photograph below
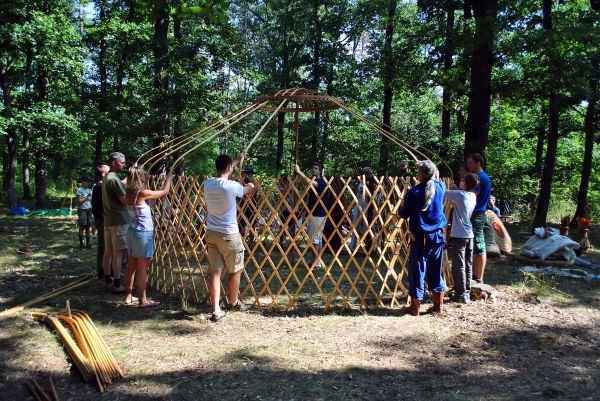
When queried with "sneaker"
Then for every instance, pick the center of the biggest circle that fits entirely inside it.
(239, 306)
(217, 315)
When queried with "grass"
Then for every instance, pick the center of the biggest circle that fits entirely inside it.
(540, 336)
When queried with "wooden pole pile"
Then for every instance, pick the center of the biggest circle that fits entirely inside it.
(71, 286)
(39, 394)
(88, 350)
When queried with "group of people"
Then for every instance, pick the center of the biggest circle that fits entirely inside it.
(424, 208)
(123, 218)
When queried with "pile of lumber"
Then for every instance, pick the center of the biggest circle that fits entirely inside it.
(59, 291)
(86, 348)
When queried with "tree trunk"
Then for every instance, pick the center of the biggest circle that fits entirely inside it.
(589, 127)
(480, 94)
(25, 156)
(549, 162)
(103, 100)
(280, 132)
(541, 211)
(388, 77)
(40, 179)
(448, 53)
(161, 76)
(316, 75)
(11, 162)
(539, 149)
(178, 123)
(26, 134)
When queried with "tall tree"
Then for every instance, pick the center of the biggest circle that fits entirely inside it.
(388, 94)
(480, 94)
(541, 211)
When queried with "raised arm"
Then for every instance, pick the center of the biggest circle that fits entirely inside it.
(150, 195)
(304, 178)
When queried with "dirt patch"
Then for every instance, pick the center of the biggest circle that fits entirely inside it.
(538, 341)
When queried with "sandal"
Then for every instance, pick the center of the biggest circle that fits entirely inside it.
(150, 304)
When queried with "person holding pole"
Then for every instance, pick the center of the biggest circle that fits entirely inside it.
(424, 208)
(223, 240)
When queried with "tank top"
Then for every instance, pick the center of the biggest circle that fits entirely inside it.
(140, 216)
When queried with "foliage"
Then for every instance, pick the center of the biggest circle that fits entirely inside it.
(224, 55)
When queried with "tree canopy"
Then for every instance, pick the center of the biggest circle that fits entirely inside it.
(514, 80)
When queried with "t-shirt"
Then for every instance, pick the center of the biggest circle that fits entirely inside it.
(83, 192)
(319, 210)
(115, 213)
(220, 196)
(484, 190)
(464, 203)
(429, 220)
(97, 208)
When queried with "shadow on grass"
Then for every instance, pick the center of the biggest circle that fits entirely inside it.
(548, 362)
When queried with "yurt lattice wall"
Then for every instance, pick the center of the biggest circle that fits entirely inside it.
(280, 271)
(279, 266)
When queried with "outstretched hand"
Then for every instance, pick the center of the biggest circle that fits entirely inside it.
(297, 169)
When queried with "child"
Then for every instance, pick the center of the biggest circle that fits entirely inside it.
(84, 211)
(463, 200)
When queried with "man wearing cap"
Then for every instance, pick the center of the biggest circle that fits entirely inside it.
(116, 221)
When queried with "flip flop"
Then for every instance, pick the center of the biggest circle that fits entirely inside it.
(25, 251)
(150, 304)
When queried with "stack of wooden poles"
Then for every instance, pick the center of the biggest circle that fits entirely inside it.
(87, 350)
(71, 286)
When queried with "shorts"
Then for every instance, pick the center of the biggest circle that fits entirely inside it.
(115, 237)
(140, 244)
(478, 220)
(84, 217)
(225, 251)
(315, 229)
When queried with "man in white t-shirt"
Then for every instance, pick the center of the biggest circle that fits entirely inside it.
(463, 200)
(223, 239)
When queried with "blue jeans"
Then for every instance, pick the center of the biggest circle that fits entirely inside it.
(426, 260)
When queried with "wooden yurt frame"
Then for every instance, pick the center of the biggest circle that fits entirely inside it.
(279, 269)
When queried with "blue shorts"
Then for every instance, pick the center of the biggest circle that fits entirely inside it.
(140, 244)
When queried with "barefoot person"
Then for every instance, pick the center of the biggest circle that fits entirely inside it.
(223, 240)
(424, 208)
(116, 222)
(140, 241)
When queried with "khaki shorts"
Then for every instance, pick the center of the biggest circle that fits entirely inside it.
(225, 251)
(115, 237)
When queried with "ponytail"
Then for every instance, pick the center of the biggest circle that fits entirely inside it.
(428, 169)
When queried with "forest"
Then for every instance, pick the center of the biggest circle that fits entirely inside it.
(515, 80)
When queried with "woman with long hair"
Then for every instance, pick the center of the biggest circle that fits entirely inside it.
(140, 240)
(424, 208)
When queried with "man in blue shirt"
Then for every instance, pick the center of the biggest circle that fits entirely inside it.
(478, 220)
(424, 208)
